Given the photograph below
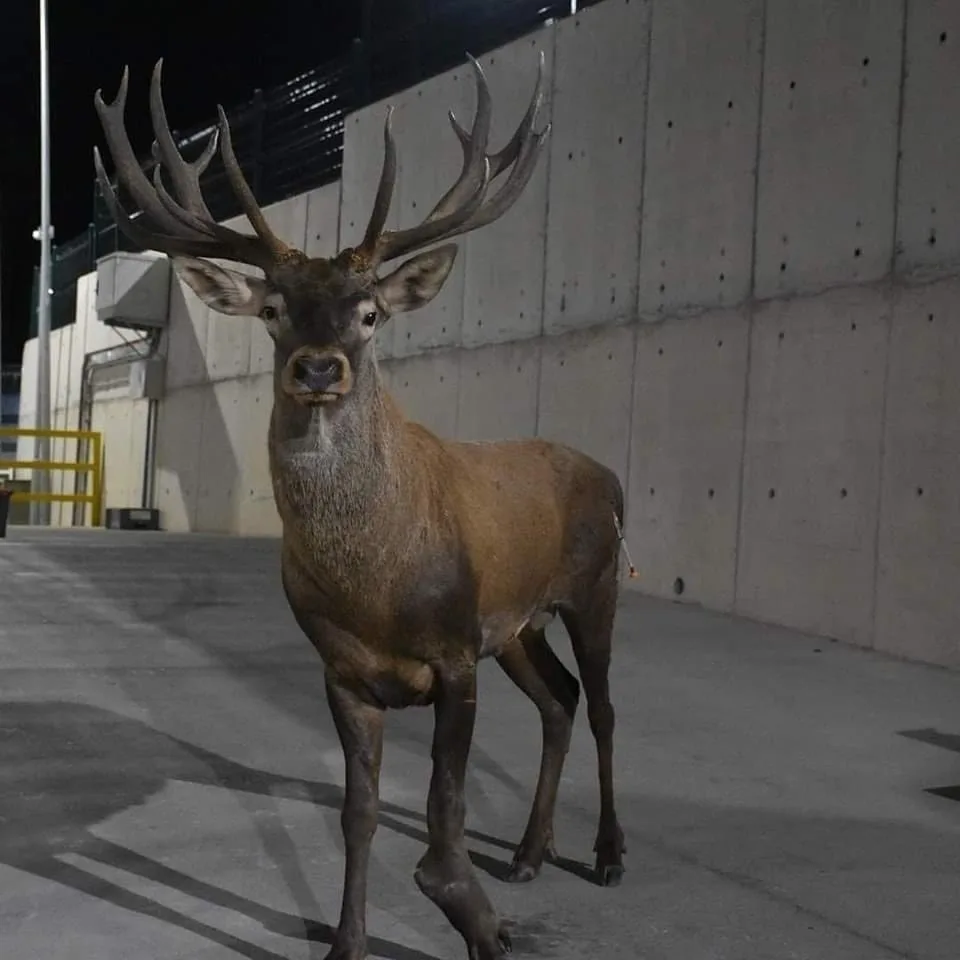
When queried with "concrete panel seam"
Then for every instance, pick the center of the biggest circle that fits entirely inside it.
(925, 273)
(757, 154)
(648, 45)
(741, 479)
(554, 71)
(194, 513)
(635, 346)
(898, 160)
(750, 308)
(891, 309)
(456, 401)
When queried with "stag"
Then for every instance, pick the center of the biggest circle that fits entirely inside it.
(406, 559)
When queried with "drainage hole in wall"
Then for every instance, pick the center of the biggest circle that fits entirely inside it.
(722, 277)
(678, 586)
(866, 61)
(780, 335)
(929, 318)
(619, 139)
(919, 491)
(943, 37)
(793, 84)
(719, 343)
(710, 493)
(856, 252)
(669, 124)
(853, 326)
(663, 287)
(729, 104)
(843, 492)
(771, 493)
(932, 239)
(783, 267)
(652, 491)
(660, 352)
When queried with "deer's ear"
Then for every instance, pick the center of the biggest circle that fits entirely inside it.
(225, 291)
(417, 280)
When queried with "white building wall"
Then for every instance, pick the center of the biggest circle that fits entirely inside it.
(734, 278)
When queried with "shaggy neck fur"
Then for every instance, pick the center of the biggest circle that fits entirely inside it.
(337, 476)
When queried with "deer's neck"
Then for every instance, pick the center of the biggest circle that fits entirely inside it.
(338, 476)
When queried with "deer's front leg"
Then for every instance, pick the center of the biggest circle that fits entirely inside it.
(445, 873)
(360, 726)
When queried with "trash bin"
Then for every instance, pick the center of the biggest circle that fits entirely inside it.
(5, 496)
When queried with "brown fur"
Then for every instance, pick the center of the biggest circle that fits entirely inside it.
(408, 559)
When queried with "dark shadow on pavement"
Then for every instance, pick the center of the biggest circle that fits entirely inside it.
(69, 766)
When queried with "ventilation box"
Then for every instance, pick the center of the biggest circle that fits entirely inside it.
(133, 290)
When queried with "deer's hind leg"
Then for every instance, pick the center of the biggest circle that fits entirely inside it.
(590, 625)
(535, 669)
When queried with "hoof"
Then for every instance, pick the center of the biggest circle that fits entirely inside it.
(610, 875)
(521, 872)
(495, 951)
(345, 953)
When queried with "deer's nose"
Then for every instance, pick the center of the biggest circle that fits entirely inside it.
(318, 373)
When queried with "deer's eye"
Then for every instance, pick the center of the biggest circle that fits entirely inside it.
(369, 319)
(269, 313)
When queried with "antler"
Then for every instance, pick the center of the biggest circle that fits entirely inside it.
(464, 207)
(181, 225)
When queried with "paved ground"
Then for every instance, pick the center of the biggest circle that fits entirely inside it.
(170, 781)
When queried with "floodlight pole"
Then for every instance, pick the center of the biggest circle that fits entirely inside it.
(40, 512)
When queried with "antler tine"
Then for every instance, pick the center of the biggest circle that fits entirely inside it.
(175, 243)
(395, 244)
(167, 226)
(529, 153)
(523, 151)
(185, 176)
(388, 178)
(474, 149)
(129, 172)
(501, 160)
(244, 194)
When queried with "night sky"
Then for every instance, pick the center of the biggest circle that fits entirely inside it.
(213, 52)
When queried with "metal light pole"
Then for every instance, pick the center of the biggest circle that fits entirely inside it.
(40, 512)
(1, 301)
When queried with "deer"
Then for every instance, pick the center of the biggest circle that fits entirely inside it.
(406, 559)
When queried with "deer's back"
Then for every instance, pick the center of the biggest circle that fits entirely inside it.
(537, 520)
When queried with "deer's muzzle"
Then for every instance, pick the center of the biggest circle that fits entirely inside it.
(317, 376)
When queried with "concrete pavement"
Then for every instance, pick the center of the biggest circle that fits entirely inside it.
(170, 780)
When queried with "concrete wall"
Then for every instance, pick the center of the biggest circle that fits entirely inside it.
(734, 278)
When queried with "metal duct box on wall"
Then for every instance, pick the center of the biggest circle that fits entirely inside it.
(147, 377)
(133, 290)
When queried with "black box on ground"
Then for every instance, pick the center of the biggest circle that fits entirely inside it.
(132, 518)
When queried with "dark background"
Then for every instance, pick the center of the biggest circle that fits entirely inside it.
(213, 52)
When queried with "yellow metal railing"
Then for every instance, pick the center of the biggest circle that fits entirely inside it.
(93, 466)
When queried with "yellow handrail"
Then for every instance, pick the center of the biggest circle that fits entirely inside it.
(93, 466)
